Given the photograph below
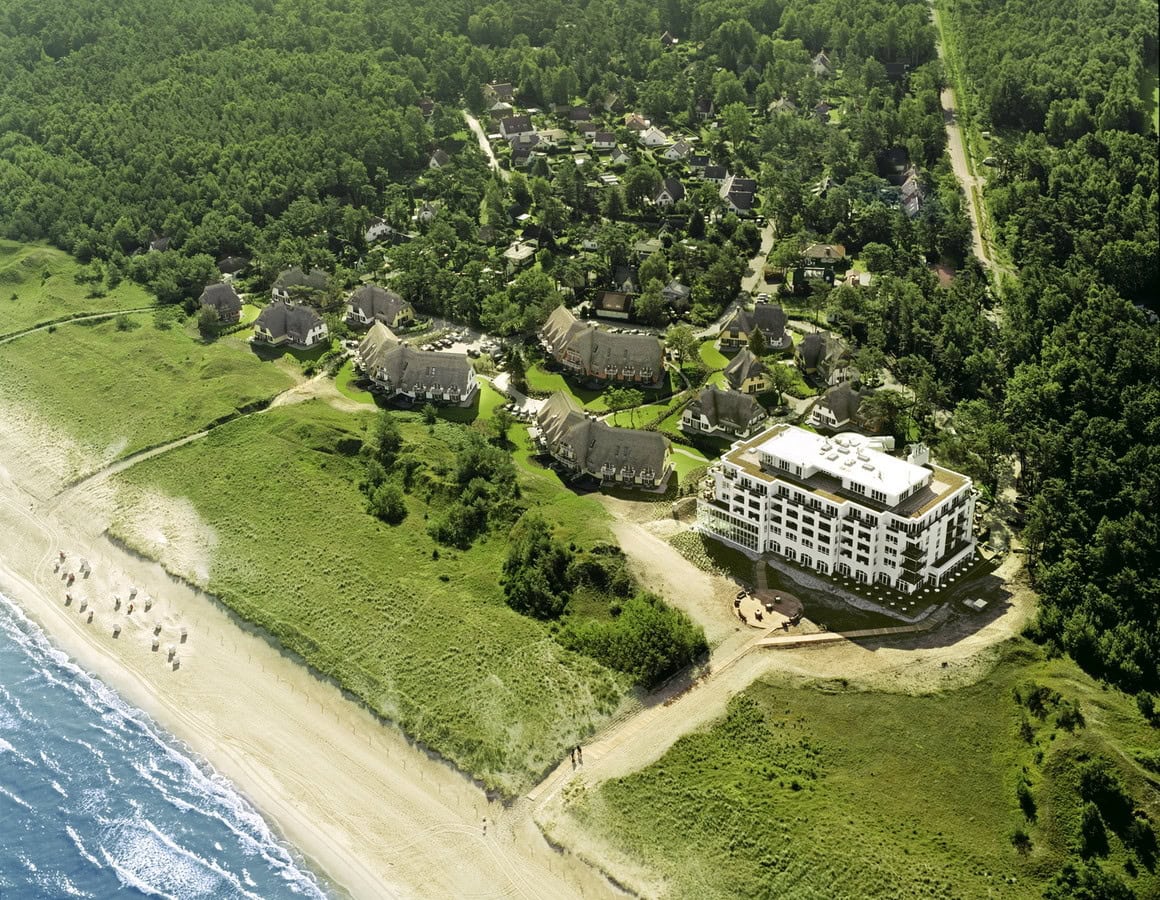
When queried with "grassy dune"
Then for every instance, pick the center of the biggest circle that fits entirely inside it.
(117, 391)
(38, 285)
(830, 792)
(418, 631)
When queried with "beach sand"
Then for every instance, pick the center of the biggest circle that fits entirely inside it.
(377, 816)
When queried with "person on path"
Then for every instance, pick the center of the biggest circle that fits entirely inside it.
(573, 757)
(580, 754)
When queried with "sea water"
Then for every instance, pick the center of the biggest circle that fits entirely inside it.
(97, 801)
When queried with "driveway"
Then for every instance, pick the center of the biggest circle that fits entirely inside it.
(485, 145)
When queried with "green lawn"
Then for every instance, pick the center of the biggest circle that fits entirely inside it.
(828, 791)
(686, 460)
(418, 631)
(38, 285)
(539, 380)
(344, 381)
(117, 391)
(712, 357)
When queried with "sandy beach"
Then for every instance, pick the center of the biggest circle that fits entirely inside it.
(376, 816)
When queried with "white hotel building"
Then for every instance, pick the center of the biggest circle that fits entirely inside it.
(838, 506)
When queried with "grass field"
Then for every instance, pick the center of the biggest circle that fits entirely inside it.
(418, 631)
(117, 391)
(38, 285)
(825, 791)
(712, 357)
(540, 380)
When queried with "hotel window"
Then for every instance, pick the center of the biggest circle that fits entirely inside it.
(880, 496)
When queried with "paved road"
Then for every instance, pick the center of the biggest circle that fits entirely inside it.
(484, 145)
(971, 184)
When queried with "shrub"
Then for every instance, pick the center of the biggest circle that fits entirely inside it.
(387, 503)
(1021, 840)
(1093, 836)
(1147, 705)
(1026, 799)
(649, 640)
(535, 573)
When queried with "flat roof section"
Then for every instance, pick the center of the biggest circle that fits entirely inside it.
(746, 456)
(847, 457)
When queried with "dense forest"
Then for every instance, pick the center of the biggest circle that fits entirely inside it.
(1074, 199)
(276, 130)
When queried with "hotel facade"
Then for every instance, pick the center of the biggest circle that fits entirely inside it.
(841, 507)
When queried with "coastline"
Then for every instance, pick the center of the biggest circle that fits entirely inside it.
(375, 816)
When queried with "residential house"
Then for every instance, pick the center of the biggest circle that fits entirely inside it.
(414, 376)
(438, 159)
(603, 140)
(677, 295)
(768, 318)
(678, 151)
(426, 213)
(715, 174)
(613, 305)
(426, 107)
(822, 357)
(823, 255)
(500, 110)
(588, 351)
(911, 193)
(636, 122)
(520, 254)
(704, 108)
(225, 300)
(822, 112)
(698, 162)
(739, 194)
(837, 408)
(579, 114)
(587, 130)
(721, 413)
(552, 137)
(668, 39)
(584, 445)
(669, 193)
(294, 284)
(289, 323)
(230, 266)
(625, 278)
(747, 374)
(371, 303)
(840, 507)
(653, 137)
(646, 247)
(821, 65)
(619, 157)
(782, 105)
(500, 91)
(514, 126)
(379, 230)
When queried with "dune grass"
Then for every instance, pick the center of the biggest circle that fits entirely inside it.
(829, 792)
(38, 285)
(118, 389)
(418, 631)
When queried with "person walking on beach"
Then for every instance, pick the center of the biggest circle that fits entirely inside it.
(573, 757)
(580, 754)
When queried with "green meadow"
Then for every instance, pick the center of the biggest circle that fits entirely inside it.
(39, 284)
(416, 630)
(120, 385)
(826, 791)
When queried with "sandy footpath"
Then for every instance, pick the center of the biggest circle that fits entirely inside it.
(377, 816)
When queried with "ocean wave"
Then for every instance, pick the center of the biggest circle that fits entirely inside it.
(133, 837)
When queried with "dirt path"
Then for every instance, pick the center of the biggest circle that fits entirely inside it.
(484, 145)
(90, 317)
